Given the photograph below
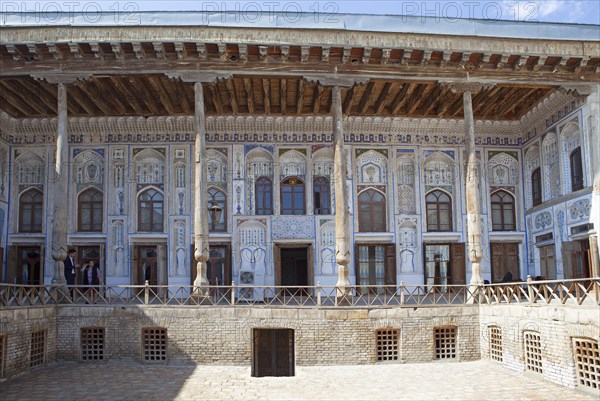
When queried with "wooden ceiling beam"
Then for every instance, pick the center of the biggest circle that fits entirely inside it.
(317, 94)
(104, 89)
(449, 101)
(266, 85)
(21, 93)
(300, 96)
(349, 99)
(42, 90)
(383, 97)
(366, 100)
(96, 100)
(185, 102)
(423, 98)
(129, 96)
(216, 97)
(401, 97)
(230, 84)
(522, 100)
(164, 98)
(414, 98)
(249, 94)
(479, 106)
(17, 100)
(283, 95)
(74, 93)
(439, 96)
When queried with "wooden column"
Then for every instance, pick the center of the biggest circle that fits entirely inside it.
(200, 194)
(342, 217)
(59, 180)
(473, 196)
(593, 127)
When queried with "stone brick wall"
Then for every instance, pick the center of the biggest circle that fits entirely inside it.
(17, 324)
(557, 326)
(224, 335)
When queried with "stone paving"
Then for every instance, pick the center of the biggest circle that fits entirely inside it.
(119, 380)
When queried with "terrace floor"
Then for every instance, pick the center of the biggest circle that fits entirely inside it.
(130, 380)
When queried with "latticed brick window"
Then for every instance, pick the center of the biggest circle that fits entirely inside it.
(387, 344)
(92, 343)
(445, 342)
(587, 359)
(38, 348)
(154, 341)
(2, 353)
(533, 351)
(495, 336)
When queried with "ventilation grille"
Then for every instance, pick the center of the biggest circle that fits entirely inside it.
(38, 348)
(387, 344)
(587, 358)
(154, 340)
(495, 336)
(533, 352)
(92, 343)
(445, 342)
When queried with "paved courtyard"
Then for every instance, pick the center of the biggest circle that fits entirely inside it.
(478, 380)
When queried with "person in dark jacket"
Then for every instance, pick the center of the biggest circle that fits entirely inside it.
(70, 266)
(91, 279)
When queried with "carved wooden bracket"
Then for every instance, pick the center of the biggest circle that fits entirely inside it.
(197, 76)
(61, 78)
(466, 86)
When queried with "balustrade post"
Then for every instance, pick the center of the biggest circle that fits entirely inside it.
(146, 293)
(530, 290)
(233, 293)
(318, 291)
(402, 292)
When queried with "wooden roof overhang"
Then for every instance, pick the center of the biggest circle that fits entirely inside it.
(131, 77)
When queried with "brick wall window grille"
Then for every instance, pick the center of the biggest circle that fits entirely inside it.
(38, 348)
(92, 343)
(533, 352)
(387, 344)
(495, 336)
(2, 354)
(445, 342)
(154, 342)
(587, 360)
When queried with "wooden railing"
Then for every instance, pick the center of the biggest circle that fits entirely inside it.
(574, 292)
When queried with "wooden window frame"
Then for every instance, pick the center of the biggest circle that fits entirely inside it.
(91, 205)
(322, 184)
(503, 225)
(389, 259)
(295, 187)
(457, 261)
(371, 224)
(536, 187)
(576, 164)
(437, 227)
(149, 227)
(33, 207)
(263, 189)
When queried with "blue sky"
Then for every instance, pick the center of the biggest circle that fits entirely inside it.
(571, 11)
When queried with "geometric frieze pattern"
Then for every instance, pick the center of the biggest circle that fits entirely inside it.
(293, 227)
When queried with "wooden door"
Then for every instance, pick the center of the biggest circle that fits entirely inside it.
(86, 254)
(273, 352)
(505, 260)
(576, 259)
(147, 265)
(458, 264)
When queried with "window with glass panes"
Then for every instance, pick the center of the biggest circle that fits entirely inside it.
(503, 211)
(321, 195)
(576, 170)
(30, 211)
(371, 211)
(292, 196)
(90, 210)
(439, 211)
(376, 266)
(217, 197)
(150, 211)
(264, 196)
(536, 186)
